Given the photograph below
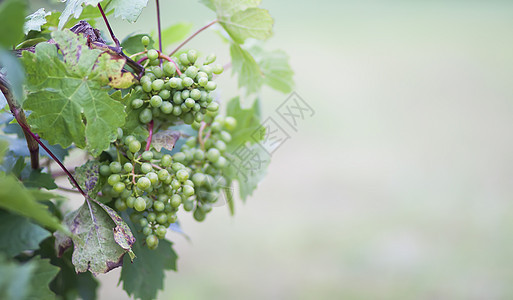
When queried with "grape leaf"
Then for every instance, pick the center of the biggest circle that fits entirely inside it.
(88, 176)
(12, 16)
(228, 7)
(74, 8)
(132, 44)
(15, 279)
(143, 277)
(248, 121)
(38, 179)
(95, 239)
(251, 23)
(274, 66)
(63, 94)
(129, 10)
(16, 198)
(35, 21)
(165, 139)
(243, 64)
(18, 234)
(40, 280)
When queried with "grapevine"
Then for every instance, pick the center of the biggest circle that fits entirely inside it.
(160, 138)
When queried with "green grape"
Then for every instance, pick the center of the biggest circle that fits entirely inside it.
(115, 167)
(198, 179)
(195, 94)
(165, 94)
(113, 179)
(188, 190)
(189, 183)
(176, 200)
(157, 71)
(199, 215)
(145, 116)
(140, 203)
(192, 55)
(120, 205)
(143, 183)
(217, 69)
(152, 241)
(166, 107)
(146, 168)
(185, 94)
(147, 86)
(183, 59)
(169, 68)
(129, 139)
(156, 101)
(143, 222)
(187, 81)
(154, 62)
(213, 155)
(199, 155)
(191, 72)
(177, 110)
(206, 207)
(161, 231)
(211, 85)
(147, 155)
(220, 145)
(105, 170)
(207, 69)
(162, 218)
(189, 102)
(145, 41)
(188, 205)
(191, 142)
(196, 107)
(158, 206)
(196, 125)
(163, 175)
(182, 175)
(171, 218)
(225, 136)
(188, 118)
(146, 78)
(175, 82)
(153, 177)
(214, 106)
(221, 162)
(177, 98)
(203, 81)
(158, 84)
(137, 103)
(118, 187)
(153, 54)
(175, 184)
(147, 230)
(134, 146)
(230, 123)
(166, 160)
(130, 202)
(210, 59)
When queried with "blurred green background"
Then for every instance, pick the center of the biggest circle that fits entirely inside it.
(399, 187)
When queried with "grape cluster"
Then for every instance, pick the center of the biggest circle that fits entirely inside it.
(183, 90)
(154, 185)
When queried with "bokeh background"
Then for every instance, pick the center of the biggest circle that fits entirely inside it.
(399, 187)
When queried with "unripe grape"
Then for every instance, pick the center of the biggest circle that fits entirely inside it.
(130, 202)
(153, 54)
(207, 69)
(188, 118)
(196, 107)
(171, 218)
(210, 59)
(169, 68)
(220, 145)
(177, 166)
(185, 94)
(105, 170)
(143, 183)
(189, 102)
(163, 175)
(213, 107)
(162, 218)
(165, 94)
(195, 94)
(188, 205)
(199, 155)
(179, 157)
(213, 155)
(203, 81)
(146, 168)
(182, 175)
(115, 167)
(152, 241)
(158, 84)
(147, 155)
(198, 179)
(177, 111)
(147, 230)
(218, 69)
(225, 136)
(183, 59)
(159, 73)
(158, 206)
(145, 41)
(146, 116)
(140, 204)
(189, 183)
(120, 205)
(230, 123)
(177, 98)
(211, 85)
(153, 177)
(206, 207)
(143, 222)
(151, 217)
(176, 200)
(166, 160)
(113, 179)
(188, 190)
(137, 103)
(199, 215)
(221, 162)
(161, 231)
(175, 184)
(192, 55)
(146, 85)
(166, 107)
(156, 101)
(191, 72)
(187, 81)
(118, 187)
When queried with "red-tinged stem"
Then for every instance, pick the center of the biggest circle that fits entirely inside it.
(192, 36)
(150, 136)
(162, 55)
(158, 27)
(116, 41)
(142, 59)
(200, 135)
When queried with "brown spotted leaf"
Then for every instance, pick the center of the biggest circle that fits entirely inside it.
(165, 139)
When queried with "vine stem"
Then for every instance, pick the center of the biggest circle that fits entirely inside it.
(200, 135)
(116, 41)
(162, 55)
(150, 136)
(192, 36)
(158, 27)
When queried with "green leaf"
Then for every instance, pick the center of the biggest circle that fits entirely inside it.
(40, 280)
(35, 21)
(88, 176)
(243, 64)
(67, 99)
(95, 239)
(251, 23)
(165, 139)
(144, 277)
(248, 165)
(74, 8)
(275, 67)
(133, 44)
(12, 16)
(129, 10)
(226, 8)
(248, 121)
(18, 234)
(16, 198)
(175, 33)
(15, 279)
(38, 179)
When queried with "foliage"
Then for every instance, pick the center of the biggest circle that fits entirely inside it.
(151, 125)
